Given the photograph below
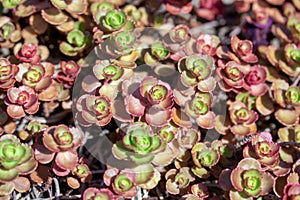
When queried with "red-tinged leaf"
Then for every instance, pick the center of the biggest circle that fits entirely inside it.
(264, 105)
(157, 117)
(180, 118)
(287, 117)
(59, 171)
(15, 111)
(73, 182)
(207, 121)
(22, 184)
(66, 160)
(42, 154)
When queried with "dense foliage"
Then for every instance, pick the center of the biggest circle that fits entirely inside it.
(150, 99)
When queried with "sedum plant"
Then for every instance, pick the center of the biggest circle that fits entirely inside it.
(95, 104)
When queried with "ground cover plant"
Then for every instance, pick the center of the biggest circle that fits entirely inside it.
(150, 99)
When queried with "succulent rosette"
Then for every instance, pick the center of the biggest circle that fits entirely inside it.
(16, 158)
(292, 96)
(263, 149)
(197, 192)
(124, 43)
(291, 191)
(20, 101)
(37, 76)
(100, 9)
(293, 26)
(287, 58)
(204, 156)
(157, 52)
(68, 74)
(199, 104)
(122, 182)
(243, 50)
(178, 181)
(243, 119)
(207, 44)
(168, 132)
(187, 137)
(75, 44)
(7, 73)
(250, 180)
(138, 15)
(82, 171)
(292, 57)
(284, 94)
(115, 20)
(157, 92)
(63, 141)
(139, 143)
(107, 70)
(232, 76)
(255, 80)
(93, 110)
(160, 100)
(177, 37)
(176, 7)
(29, 53)
(227, 153)
(197, 70)
(8, 32)
(94, 193)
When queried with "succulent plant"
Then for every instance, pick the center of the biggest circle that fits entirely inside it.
(68, 74)
(115, 20)
(75, 44)
(139, 144)
(29, 53)
(94, 110)
(255, 80)
(192, 100)
(243, 50)
(243, 119)
(263, 149)
(232, 76)
(196, 70)
(178, 181)
(157, 53)
(177, 37)
(198, 191)
(7, 73)
(207, 44)
(16, 159)
(249, 180)
(204, 156)
(291, 191)
(20, 101)
(8, 32)
(36, 76)
(63, 141)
